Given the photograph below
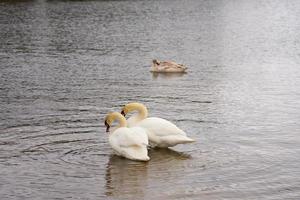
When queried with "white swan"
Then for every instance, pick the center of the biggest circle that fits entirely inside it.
(161, 133)
(167, 66)
(130, 143)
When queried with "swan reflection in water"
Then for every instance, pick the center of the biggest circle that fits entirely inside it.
(126, 178)
(156, 75)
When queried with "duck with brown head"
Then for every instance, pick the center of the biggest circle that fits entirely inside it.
(167, 67)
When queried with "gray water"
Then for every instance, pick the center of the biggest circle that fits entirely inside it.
(65, 64)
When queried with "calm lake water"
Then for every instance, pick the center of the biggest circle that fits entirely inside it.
(65, 64)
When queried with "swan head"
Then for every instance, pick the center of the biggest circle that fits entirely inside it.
(131, 107)
(108, 121)
(107, 126)
(111, 117)
(125, 110)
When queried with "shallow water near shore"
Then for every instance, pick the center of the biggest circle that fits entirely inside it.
(65, 64)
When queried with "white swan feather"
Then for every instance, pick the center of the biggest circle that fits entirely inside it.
(161, 132)
(130, 143)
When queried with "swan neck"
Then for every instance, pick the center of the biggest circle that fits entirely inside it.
(143, 112)
(120, 118)
(122, 121)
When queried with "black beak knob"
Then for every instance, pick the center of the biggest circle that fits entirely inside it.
(123, 113)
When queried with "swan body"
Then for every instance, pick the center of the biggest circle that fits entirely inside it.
(161, 133)
(167, 66)
(130, 143)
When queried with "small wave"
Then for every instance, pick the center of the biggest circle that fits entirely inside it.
(198, 101)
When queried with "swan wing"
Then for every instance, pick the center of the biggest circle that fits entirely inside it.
(163, 133)
(172, 140)
(160, 127)
(127, 137)
(130, 143)
(141, 135)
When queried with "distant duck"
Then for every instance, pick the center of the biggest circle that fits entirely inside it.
(167, 66)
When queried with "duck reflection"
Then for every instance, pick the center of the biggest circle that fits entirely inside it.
(156, 75)
(126, 178)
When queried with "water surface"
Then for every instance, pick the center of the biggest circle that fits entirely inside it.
(65, 64)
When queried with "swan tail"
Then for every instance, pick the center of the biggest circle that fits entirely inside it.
(169, 141)
(186, 139)
(137, 153)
